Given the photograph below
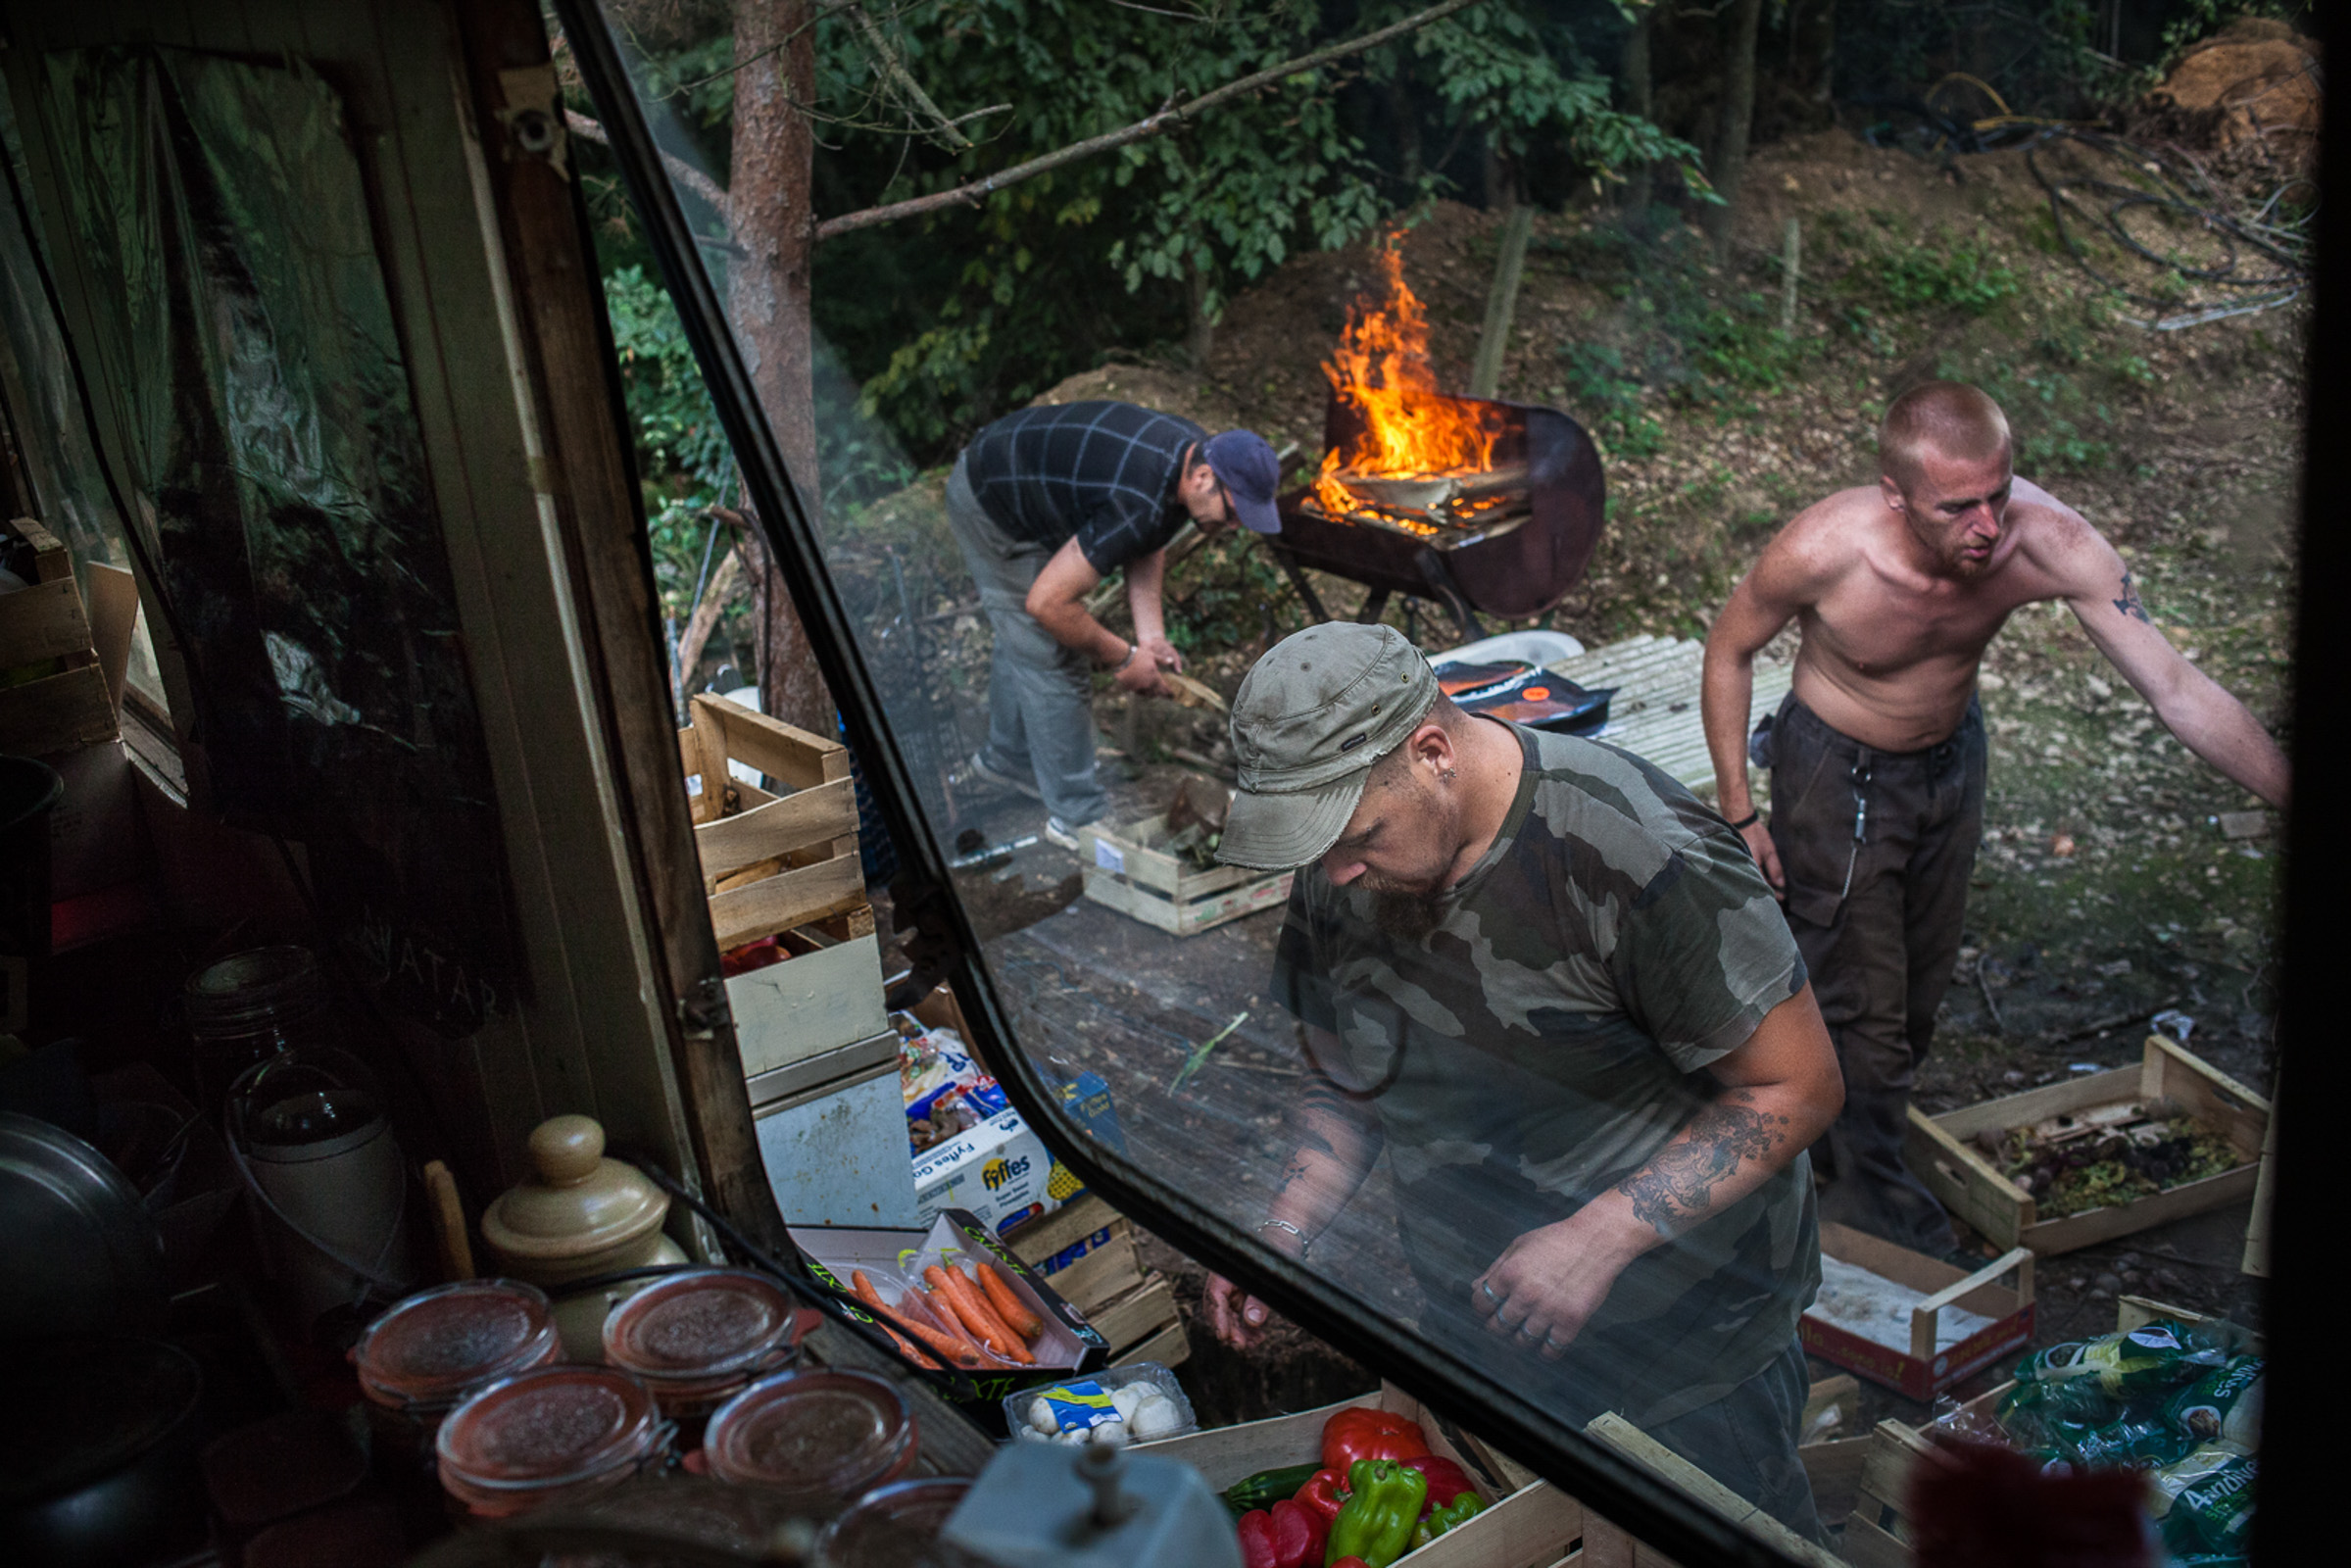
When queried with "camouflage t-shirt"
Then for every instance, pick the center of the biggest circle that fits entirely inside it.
(1548, 1036)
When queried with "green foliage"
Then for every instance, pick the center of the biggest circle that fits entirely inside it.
(1947, 274)
(683, 460)
(1685, 331)
(1606, 396)
(1231, 593)
(2059, 427)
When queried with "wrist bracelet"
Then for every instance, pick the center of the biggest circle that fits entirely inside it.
(1746, 821)
(1305, 1243)
(1130, 658)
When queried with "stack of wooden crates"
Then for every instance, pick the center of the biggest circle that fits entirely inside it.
(820, 1057)
(1087, 1249)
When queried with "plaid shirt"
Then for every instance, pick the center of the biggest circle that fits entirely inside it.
(1101, 473)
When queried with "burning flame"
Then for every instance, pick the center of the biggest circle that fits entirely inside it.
(1410, 428)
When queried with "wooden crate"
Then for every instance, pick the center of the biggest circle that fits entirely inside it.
(1087, 1249)
(1942, 1151)
(1923, 1371)
(1608, 1546)
(1877, 1531)
(1126, 869)
(54, 695)
(770, 863)
(1529, 1522)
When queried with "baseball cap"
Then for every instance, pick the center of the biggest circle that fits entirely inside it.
(1249, 472)
(1312, 716)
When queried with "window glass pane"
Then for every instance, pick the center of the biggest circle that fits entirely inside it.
(1508, 1034)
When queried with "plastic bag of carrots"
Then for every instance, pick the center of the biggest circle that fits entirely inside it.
(961, 1312)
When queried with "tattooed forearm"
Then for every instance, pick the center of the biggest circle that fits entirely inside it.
(2129, 603)
(1677, 1185)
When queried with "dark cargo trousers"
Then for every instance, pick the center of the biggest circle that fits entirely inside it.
(1877, 848)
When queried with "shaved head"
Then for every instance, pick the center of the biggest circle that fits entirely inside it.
(1946, 418)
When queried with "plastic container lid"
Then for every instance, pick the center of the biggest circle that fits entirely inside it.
(891, 1525)
(702, 1325)
(824, 1430)
(436, 1347)
(552, 1428)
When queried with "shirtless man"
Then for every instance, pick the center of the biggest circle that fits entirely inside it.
(1878, 753)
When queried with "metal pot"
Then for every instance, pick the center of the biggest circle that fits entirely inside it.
(98, 1443)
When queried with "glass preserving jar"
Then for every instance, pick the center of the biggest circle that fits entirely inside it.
(546, 1437)
(251, 1007)
(892, 1524)
(699, 1337)
(428, 1352)
(821, 1434)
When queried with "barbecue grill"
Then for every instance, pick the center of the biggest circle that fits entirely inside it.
(1509, 540)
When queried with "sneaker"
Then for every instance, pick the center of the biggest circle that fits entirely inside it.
(978, 772)
(1062, 833)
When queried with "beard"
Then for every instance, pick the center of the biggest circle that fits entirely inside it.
(1408, 914)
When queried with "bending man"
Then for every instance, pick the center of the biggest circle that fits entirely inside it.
(1556, 989)
(1045, 503)
(1878, 753)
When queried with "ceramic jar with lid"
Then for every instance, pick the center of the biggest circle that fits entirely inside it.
(699, 1337)
(424, 1357)
(548, 1438)
(825, 1434)
(581, 1216)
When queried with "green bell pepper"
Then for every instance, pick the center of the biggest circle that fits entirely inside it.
(1377, 1523)
(1450, 1517)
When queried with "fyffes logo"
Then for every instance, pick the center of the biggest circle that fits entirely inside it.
(999, 1171)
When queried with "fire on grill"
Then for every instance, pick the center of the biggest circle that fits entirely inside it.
(1481, 505)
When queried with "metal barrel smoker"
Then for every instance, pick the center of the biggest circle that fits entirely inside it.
(1510, 541)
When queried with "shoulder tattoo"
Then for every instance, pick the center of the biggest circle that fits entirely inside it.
(2129, 603)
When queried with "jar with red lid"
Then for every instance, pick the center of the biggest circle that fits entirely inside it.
(421, 1359)
(699, 1337)
(820, 1434)
(548, 1438)
(891, 1525)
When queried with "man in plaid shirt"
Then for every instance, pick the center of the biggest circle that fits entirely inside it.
(1045, 503)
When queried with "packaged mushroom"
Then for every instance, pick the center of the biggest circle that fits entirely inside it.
(1139, 1402)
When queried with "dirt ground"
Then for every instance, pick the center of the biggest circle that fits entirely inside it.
(2107, 889)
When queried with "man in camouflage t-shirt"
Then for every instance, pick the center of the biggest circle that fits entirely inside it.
(1553, 987)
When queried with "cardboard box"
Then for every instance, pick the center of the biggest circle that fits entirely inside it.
(1925, 1370)
(891, 1258)
(999, 1171)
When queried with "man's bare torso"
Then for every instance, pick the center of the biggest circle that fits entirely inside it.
(1890, 649)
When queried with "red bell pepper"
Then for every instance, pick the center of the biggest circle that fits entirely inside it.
(1365, 1433)
(1351, 1563)
(1299, 1536)
(1287, 1535)
(1324, 1496)
(1255, 1530)
(1446, 1480)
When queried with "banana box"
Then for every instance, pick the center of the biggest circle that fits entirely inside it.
(999, 1171)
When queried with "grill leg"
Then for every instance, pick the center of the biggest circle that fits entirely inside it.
(1305, 589)
(1441, 589)
(1375, 605)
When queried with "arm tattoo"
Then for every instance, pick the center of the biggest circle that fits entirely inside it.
(2129, 603)
(1678, 1183)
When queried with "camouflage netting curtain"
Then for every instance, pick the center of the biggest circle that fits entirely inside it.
(263, 398)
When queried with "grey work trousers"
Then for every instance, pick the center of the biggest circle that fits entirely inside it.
(1876, 847)
(1040, 694)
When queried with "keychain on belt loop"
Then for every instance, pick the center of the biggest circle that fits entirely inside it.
(1860, 777)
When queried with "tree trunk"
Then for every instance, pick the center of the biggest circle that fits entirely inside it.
(1639, 100)
(1739, 110)
(1404, 124)
(1200, 331)
(767, 297)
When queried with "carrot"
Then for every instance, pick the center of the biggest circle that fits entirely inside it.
(959, 1293)
(960, 1353)
(872, 1298)
(1009, 1305)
